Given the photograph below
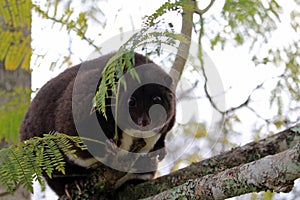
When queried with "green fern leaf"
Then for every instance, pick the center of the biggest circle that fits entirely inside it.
(26, 161)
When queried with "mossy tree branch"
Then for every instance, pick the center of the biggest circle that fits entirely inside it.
(201, 173)
(250, 152)
(275, 173)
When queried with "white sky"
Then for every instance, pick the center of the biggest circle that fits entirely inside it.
(234, 64)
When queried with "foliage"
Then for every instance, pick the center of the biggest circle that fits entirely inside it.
(25, 162)
(254, 25)
(79, 25)
(246, 21)
(167, 6)
(12, 112)
(83, 23)
(15, 38)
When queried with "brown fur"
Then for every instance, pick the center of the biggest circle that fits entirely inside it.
(51, 110)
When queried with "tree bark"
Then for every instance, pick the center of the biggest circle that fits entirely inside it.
(183, 48)
(250, 152)
(15, 77)
(275, 173)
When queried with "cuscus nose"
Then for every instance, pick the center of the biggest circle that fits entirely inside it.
(144, 120)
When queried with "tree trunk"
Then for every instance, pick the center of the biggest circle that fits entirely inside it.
(15, 77)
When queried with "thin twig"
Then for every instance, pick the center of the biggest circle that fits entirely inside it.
(201, 12)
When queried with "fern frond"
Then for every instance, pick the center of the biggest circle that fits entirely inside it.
(34, 165)
(21, 168)
(7, 178)
(26, 161)
(54, 158)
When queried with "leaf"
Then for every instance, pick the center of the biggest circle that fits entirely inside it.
(25, 161)
(200, 131)
(15, 37)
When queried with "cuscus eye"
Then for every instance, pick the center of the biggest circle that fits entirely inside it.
(131, 101)
(156, 99)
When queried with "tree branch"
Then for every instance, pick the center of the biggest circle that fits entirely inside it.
(237, 156)
(275, 173)
(100, 183)
(189, 8)
(201, 12)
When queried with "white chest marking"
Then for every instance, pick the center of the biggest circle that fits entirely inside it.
(126, 141)
(87, 163)
(150, 142)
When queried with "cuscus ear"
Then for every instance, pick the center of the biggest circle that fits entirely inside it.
(154, 73)
(168, 80)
